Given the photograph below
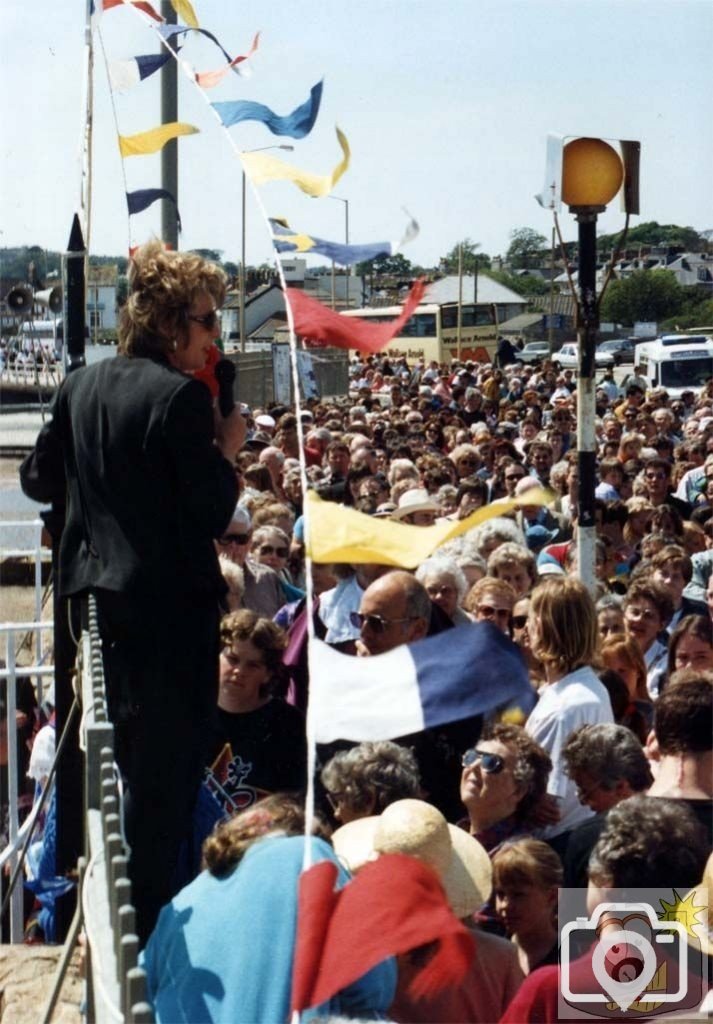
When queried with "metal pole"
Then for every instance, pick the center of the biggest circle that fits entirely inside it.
(169, 153)
(460, 300)
(587, 323)
(550, 330)
(241, 282)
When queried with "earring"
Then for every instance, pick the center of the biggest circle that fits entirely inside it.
(173, 344)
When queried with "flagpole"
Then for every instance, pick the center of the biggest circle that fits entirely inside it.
(169, 153)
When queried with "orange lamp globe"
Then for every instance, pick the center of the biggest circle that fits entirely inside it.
(592, 172)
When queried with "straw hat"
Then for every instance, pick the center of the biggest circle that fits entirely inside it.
(419, 830)
(702, 896)
(415, 500)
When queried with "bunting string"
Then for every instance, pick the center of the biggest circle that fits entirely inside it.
(261, 168)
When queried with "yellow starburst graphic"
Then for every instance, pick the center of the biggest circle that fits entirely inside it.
(684, 910)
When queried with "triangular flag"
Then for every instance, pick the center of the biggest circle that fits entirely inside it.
(261, 167)
(154, 139)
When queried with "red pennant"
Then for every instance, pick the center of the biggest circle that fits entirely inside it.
(322, 326)
(395, 904)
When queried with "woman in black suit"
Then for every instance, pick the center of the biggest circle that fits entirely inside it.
(144, 464)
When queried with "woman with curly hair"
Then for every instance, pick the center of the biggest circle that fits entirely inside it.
(504, 779)
(366, 779)
(143, 463)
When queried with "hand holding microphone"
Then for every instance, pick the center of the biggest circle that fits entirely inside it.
(230, 426)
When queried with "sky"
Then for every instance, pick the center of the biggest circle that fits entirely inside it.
(447, 105)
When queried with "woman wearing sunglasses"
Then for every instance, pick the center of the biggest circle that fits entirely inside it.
(271, 547)
(144, 461)
(504, 778)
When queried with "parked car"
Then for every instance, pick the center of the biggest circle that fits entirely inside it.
(621, 348)
(534, 352)
(568, 357)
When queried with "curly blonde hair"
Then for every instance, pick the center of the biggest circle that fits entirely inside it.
(162, 287)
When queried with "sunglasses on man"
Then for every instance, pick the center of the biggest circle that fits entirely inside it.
(375, 623)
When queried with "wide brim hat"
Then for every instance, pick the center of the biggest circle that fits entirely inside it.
(419, 830)
(415, 500)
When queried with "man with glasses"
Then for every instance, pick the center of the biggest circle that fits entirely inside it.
(394, 610)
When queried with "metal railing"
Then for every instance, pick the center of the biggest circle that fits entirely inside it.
(12, 634)
(115, 985)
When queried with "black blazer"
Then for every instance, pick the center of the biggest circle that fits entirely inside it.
(130, 448)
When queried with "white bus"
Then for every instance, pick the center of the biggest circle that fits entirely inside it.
(432, 332)
(676, 362)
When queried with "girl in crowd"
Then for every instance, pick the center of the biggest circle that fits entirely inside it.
(526, 876)
(648, 608)
(691, 644)
(623, 655)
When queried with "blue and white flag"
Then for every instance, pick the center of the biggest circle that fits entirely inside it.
(470, 670)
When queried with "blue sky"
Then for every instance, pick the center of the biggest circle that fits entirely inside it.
(446, 105)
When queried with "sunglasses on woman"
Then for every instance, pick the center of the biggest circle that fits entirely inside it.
(207, 320)
(268, 549)
(491, 764)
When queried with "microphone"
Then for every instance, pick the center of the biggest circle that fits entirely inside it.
(224, 371)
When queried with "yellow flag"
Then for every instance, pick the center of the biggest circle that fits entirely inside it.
(339, 534)
(155, 139)
(185, 13)
(302, 243)
(262, 167)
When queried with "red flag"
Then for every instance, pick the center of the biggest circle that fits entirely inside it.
(395, 904)
(322, 326)
(141, 5)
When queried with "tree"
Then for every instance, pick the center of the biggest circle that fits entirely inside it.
(650, 295)
(385, 266)
(526, 285)
(212, 255)
(472, 261)
(526, 248)
(652, 233)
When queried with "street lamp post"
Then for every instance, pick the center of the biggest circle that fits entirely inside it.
(592, 174)
(241, 278)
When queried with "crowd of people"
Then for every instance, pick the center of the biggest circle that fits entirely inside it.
(615, 758)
